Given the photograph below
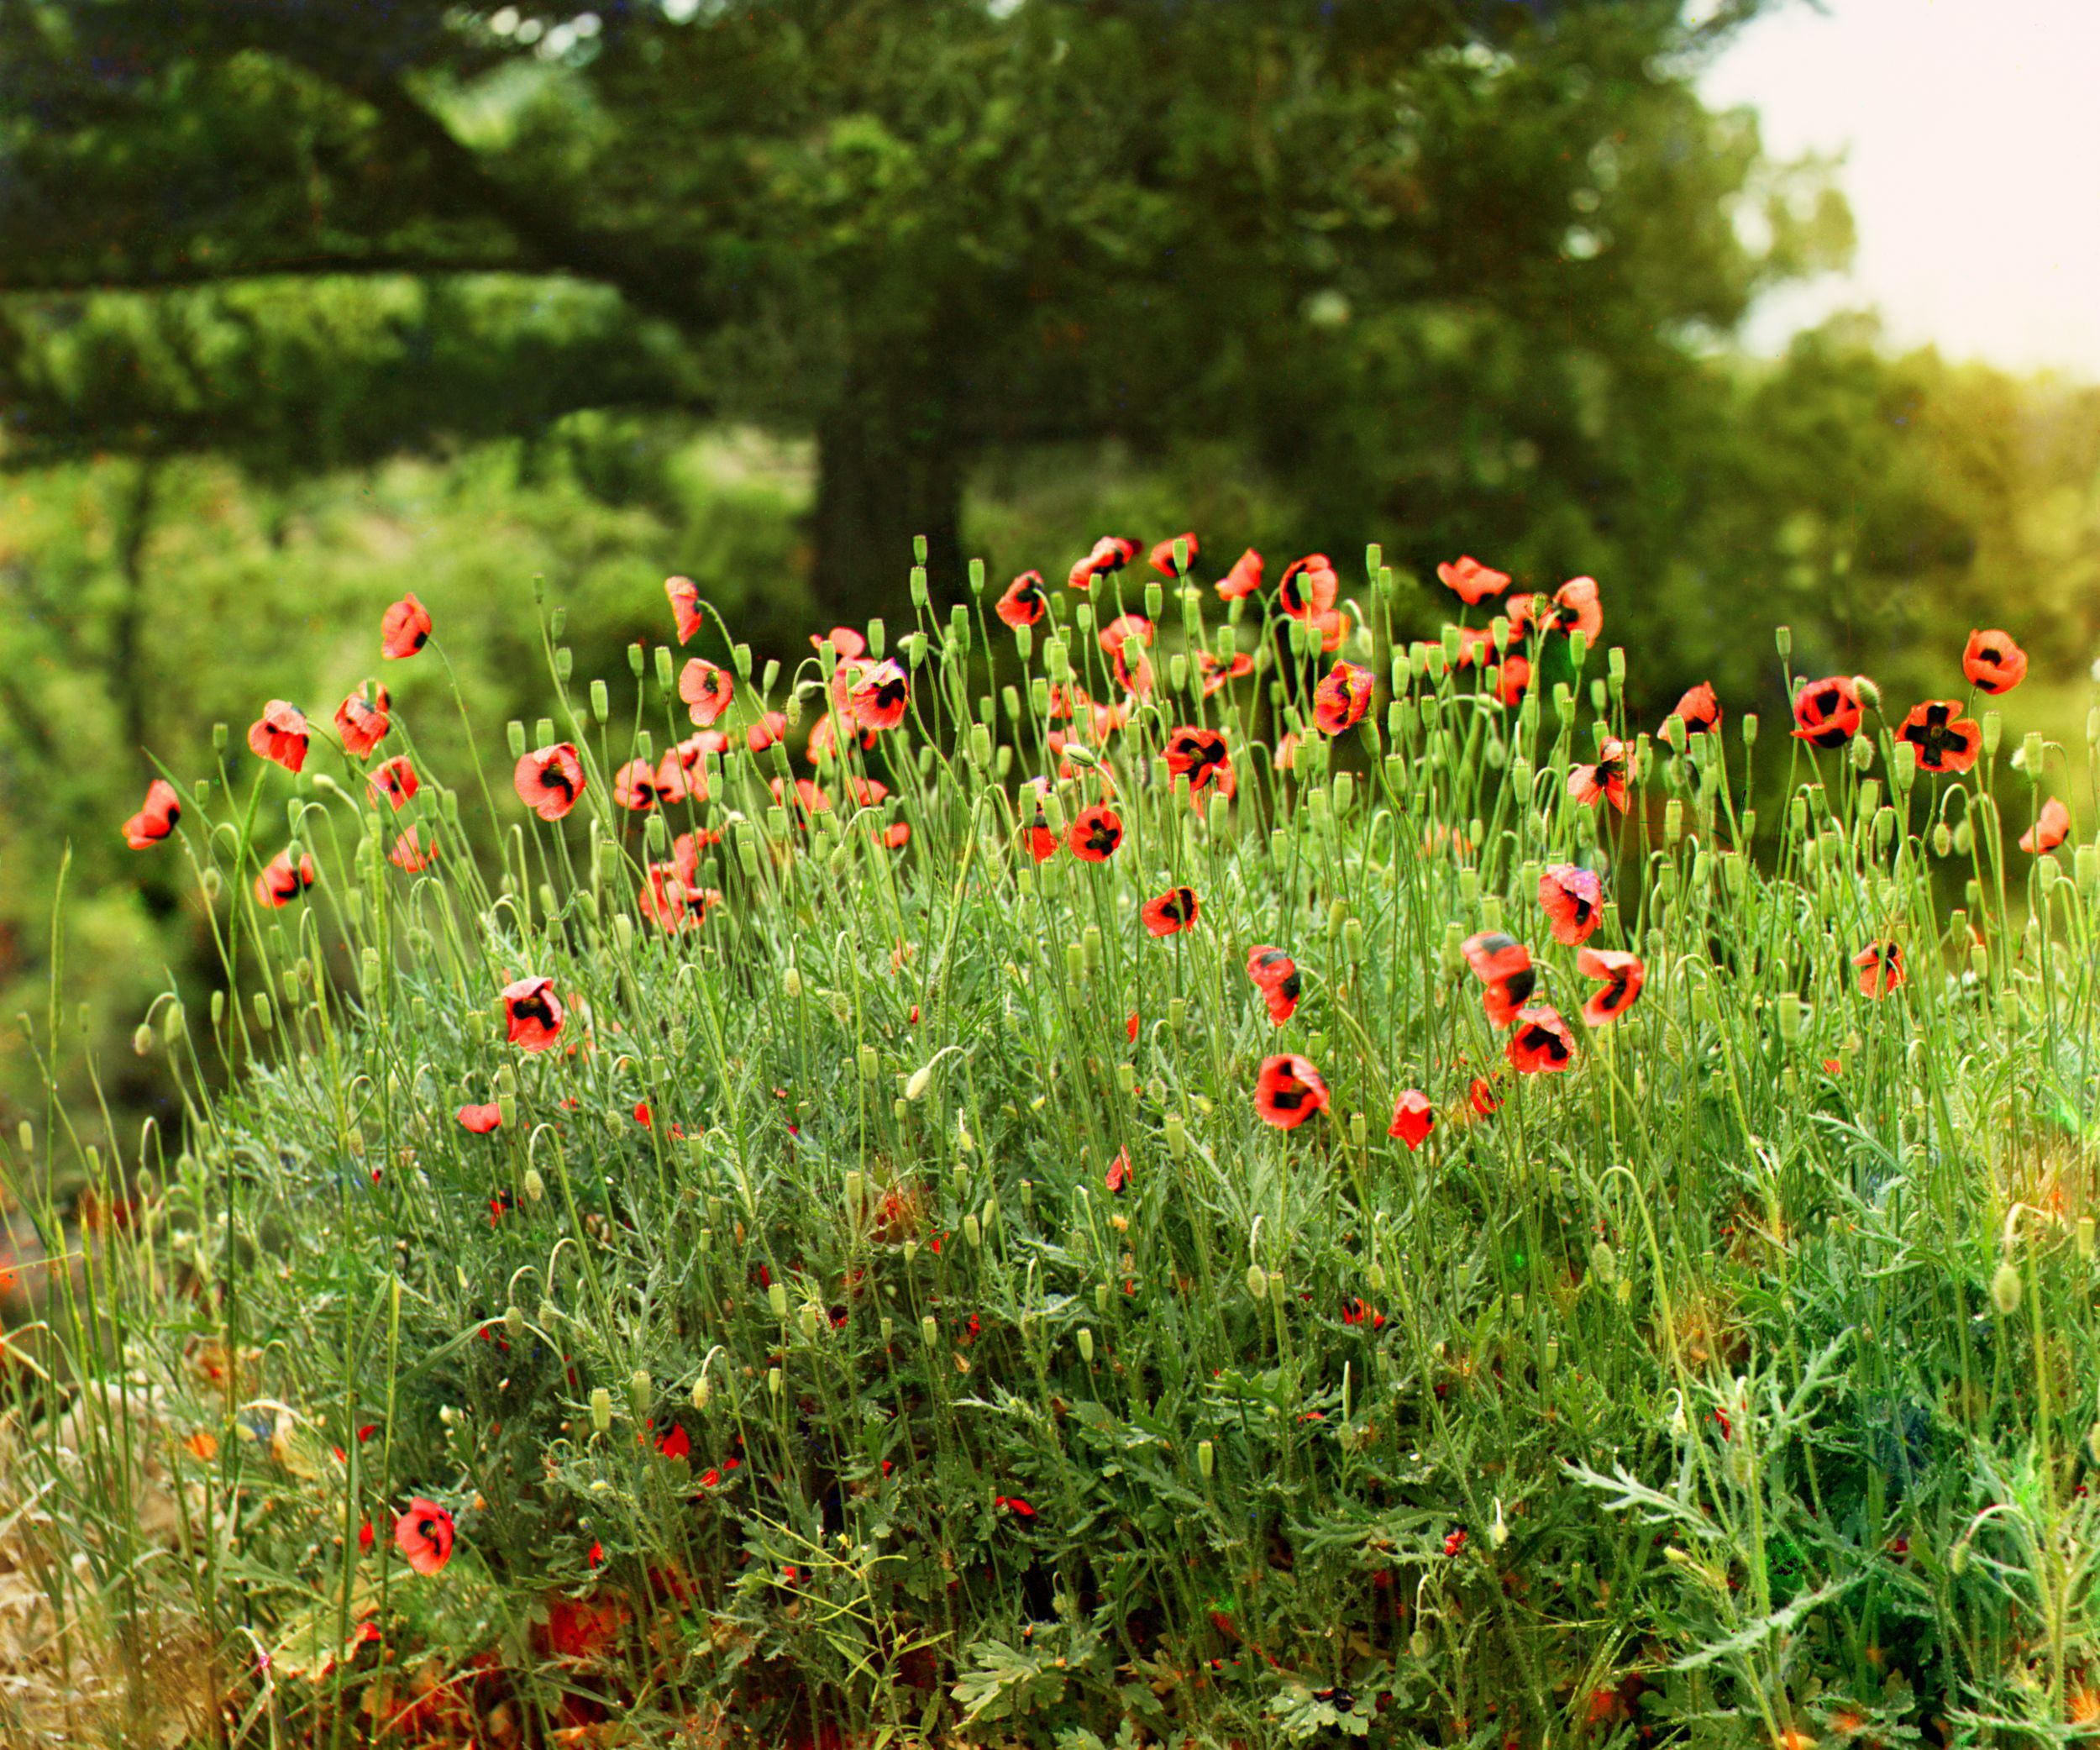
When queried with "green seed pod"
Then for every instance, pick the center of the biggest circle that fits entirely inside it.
(991, 1214)
(929, 1332)
(601, 1408)
(1375, 1275)
(1177, 1136)
(1790, 1017)
(870, 1066)
(809, 1323)
(773, 1381)
(2084, 1233)
(973, 1232)
(1100, 1299)
(1086, 1345)
(263, 1018)
(1206, 1459)
(25, 1136)
(1358, 1130)
(1127, 1078)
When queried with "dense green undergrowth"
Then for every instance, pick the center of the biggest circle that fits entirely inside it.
(872, 1305)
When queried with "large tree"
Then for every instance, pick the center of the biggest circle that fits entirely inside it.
(916, 232)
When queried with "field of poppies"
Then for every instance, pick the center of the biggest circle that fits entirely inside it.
(1140, 1160)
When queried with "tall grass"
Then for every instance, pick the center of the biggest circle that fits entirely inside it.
(882, 1316)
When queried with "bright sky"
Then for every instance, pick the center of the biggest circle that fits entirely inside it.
(1971, 130)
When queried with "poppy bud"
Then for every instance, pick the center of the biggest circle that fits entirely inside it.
(1603, 1262)
(2005, 1289)
(910, 1250)
(506, 1108)
(535, 1186)
(929, 1332)
(172, 1019)
(142, 1040)
(2086, 860)
(1673, 733)
(1127, 1078)
(920, 1080)
(1257, 1283)
(1964, 836)
(809, 1323)
(1782, 636)
(1357, 1132)
(1942, 840)
(2084, 1232)
(25, 1135)
(601, 1408)
(973, 1232)
(514, 1319)
(263, 1017)
(1862, 754)
(565, 664)
(1100, 1299)
(1672, 821)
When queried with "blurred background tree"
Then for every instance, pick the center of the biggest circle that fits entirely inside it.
(307, 303)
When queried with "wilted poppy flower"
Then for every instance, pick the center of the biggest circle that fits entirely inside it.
(549, 780)
(1217, 672)
(1243, 579)
(1163, 556)
(1123, 626)
(279, 733)
(1096, 833)
(634, 786)
(1413, 1116)
(405, 628)
(1993, 662)
(1512, 679)
(1575, 608)
(878, 699)
(412, 853)
(157, 817)
(1339, 701)
(1541, 1045)
(1946, 740)
(1308, 586)
(706, 689)
(1700, 710)
(1287, 1090)
(1276, 976)
(1173, 911)
(395, 781)
(1024, 602)
(481, 1119)
(1473, 582)
(2050, 828)
(1826, 713)
(361, 719)
(280, 883)
(1201, 755)
(1574, 900)
(685, 598)
(1623, 974)
(1881, 968)
(423, 1534)
(1605, 781)
(1110, 555)
(1118, 1176)
(767, 728)
(533, 1012)
(1504, 964)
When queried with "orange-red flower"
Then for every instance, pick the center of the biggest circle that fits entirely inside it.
(1575, 608)
(1512, 680)
(1117, 1178)
(634, 786)
(1110, 555)
(1171, 912)
(1243, 579)
(2052, 826)
(684, 599)
(1276, 976)
(1541, 1045)
(1992, 661)
(847, 645)
(279, 733)
(1881, 968)
(767, 728)
(1700, 710)
(1946, 740)
(1574, 900)
(1024, 602)
(157, 817)
(1340, 700)
(424, 1534)
(1622, 975)
(1287, 1090)
(1412, 1117)
(1123, 626)
(413, 852)
(1217, 671)
(532, 1012)
(1308, 586)
(280, 883)
(481, 1119)
(405, 628)
(1201, 756)
(395, 781)
(361, 719)
(549, 780)
(1826, 713)
(706, 688)
(1096, 833)
(1163, 555)
(1605, 781)
(1504, 964)
(878, 699)
(1473, 582)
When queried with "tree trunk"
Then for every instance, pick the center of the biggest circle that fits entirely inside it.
(889, 465)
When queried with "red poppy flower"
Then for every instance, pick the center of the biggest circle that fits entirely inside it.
(1163, 556)
(1455, 1542)
(2050, 828)
(1623, 976)
(1519, 611)
(684, 599)
(634, 786)
(395, 781)
(1024, 602)
(1476, 645)
(157, 817)
(897, 835)
(480, 1119)
(1173, 911)
(767, 728)
(1334, 629)
(1946, 740)
(1217, 672)
(1133, 677)
(1700, 710)
(1201, 756)
(1276, 976)
(412, 853)
(424, 1535)
(1287, 750)
(280, 883)
(1881, 968)
(1118, 1179)
(1481, 1096)
(1605, 781)
(1042, 842)
(1504, 964)
(681, 774)
(1356, 1311)
(1473, 581)
(878, 699)
(1096, 833)
(706, 689)
(1575, 608)
(1826, 713)
(1123, 626)
(549, 780)
(1243, 579)
(1308, 586)
(685, 850)
(361, 719)
(1574, 900)
(1130, 1031)
(1512, 680)
(405, 628)
(1339, 701)
(1110, 555)
(1412, 1118)
(664, 899)
(1993, 662)
(1541, 1045)
(1013, 1503)
(809, 799)
(534, 1013)
(677, 1443)
(847, 643)
(279, 733)
(1287, 1090)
